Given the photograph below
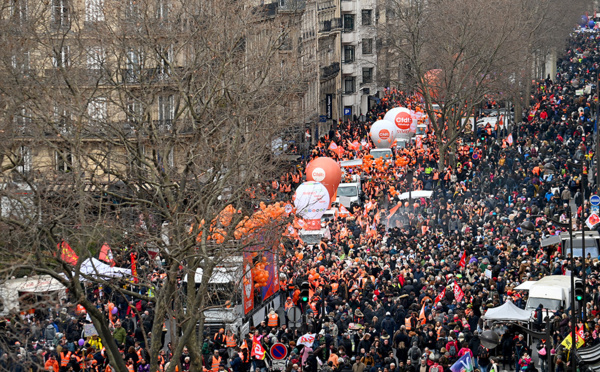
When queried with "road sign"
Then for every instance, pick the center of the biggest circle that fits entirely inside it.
(278, 365)
(294, 314)
(278, 351)
(595, 200)
(347, 111)
(595, 209)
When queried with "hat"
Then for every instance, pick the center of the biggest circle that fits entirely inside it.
(388, 313)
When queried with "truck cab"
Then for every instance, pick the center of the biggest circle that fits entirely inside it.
(349, 194)
(552, 291)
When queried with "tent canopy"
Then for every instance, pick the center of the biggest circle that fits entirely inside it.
(94, 267)
(33, 284)
(507, 312)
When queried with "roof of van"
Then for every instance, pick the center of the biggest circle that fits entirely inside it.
(563, 281)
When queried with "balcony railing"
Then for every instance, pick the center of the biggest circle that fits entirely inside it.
(331, 71)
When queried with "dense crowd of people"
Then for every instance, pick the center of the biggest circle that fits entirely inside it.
(384, 294)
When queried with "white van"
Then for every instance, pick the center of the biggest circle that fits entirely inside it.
(348, 194)
(382, 153)
(552, 291)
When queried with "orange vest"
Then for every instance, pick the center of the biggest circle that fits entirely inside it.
(288, 305)
(215, 364)
(130, 368)
(230, 341)
(407, 324)
(64, 359)
(272, 320)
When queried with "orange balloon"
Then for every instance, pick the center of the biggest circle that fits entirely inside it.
(321, 268)
(326, 171)
(311, 277)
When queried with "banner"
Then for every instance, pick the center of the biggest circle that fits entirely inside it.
(569, 339)
(248, 284)
(106, 255)
(273, 282)
(134, 272)
(440, 296)
(464, 364)
(67, 253)
(463, 260)
(458, 293)
(258, 350)
(592, 220)
(307, 340)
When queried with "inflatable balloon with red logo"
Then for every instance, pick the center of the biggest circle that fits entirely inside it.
(326, 171)
(311, 201)
(383, 133)
(404, 120)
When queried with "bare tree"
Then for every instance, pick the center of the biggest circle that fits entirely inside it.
(138, 124)
(457, 57)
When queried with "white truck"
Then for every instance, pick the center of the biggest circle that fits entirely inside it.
(552, 291)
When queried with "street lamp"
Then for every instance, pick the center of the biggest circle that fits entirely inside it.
(529, 228)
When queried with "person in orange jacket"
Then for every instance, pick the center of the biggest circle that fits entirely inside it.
(51, 364)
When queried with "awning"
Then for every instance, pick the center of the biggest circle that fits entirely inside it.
(34, 284)
(220, 275)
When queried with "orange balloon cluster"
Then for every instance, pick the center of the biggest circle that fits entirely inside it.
(259, 274)
(367, 163)
(248, 225)
(380, 165)
(392, 190)
(402, 161)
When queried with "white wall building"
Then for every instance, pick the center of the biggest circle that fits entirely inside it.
(359, 55)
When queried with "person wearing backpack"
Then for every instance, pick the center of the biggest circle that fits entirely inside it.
(452, 348)
(483, 358)
(414, 354)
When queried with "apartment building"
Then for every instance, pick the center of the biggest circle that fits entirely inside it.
(359, 56)
(98, 91)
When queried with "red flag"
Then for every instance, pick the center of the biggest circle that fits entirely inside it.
(463, 260)
(422, 317)
(67, 254)
(343, 211)
(106, 255)
(134, 272)
(257, 349)
(335, 148)
(458, 293)
(440, 296)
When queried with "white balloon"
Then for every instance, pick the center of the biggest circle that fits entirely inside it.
(311, 200)
(383, 133)
(403, 119)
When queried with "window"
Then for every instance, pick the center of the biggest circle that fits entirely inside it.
(61, 16)
(18, 10)
(165, 111)
(95, 58)
(25, 160)
(162, 9)
(21, 120)
(134, 112)
(170, 159)
(20, 63)
(94, 10)
(349, 85)
(165, 55)
(348, 53)
(348, 22)
(64, 161)
(367, 46)
(133, 66)
(132, 9)
(367, 75)
(367, 17)
(97, 110)
(61, 57)
(61, 119)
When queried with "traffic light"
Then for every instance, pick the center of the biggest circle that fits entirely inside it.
(579, 290)
(304, 292)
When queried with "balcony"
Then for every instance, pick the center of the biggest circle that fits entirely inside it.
(348, 6)
(349, 37)
(348, 67)
(333, 24)
(330, 72)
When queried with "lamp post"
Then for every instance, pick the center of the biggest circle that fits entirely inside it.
(529, 228)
